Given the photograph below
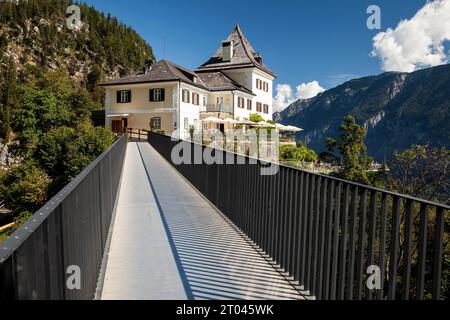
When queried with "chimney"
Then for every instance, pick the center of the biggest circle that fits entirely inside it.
(148, 65)
(227, 51)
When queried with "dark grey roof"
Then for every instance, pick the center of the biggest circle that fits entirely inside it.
(167, 71)
(244, 56)
(160, 71)
(217, 81)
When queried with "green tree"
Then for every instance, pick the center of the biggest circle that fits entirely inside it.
(8, 99)
(256, 118)
(422, 172)
(301, 153)
(64, 152)
(24, 188)
(39, 111)
(353, 151)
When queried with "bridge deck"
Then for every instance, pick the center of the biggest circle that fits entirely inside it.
(169, 243)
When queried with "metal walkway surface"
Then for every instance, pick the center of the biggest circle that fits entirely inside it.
(168, 242)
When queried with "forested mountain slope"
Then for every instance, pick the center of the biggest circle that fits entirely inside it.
(398, 109)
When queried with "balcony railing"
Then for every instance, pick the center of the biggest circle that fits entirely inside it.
(219, 108)
(330, 235)
(71, 230)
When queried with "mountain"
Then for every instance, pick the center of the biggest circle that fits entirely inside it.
(398, 109)
(35, 33)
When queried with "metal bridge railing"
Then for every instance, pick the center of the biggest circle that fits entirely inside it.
(331, 235)
(69, 233)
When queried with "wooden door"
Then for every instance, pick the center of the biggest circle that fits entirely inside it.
(117, 126)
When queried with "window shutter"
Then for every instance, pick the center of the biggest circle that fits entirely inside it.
(163, 94)
(129, 96)
(152, 95)
(118, 96)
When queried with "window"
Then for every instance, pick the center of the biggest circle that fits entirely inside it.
(266, 108)
(124, 96)
(249, 104)
(204, 101)
(241, 102)
(195, 99)
(186, 123)
(157, 95)
(156, 123)
(219, 102)
(262, 85)
(186, 96)
(258, 107)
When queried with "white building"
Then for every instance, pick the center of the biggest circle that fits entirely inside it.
(233, 83)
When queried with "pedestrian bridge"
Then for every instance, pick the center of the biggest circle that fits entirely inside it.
(168, 242)
(138, 227)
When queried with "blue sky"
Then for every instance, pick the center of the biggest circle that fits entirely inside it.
(326, 41)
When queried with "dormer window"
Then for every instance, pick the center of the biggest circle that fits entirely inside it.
(258, 58)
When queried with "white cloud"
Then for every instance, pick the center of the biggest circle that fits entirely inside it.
(418, 42)
(285, 95)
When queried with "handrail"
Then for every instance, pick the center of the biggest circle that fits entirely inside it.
(71, 229)
(9, 245)
(325, 232)
(139, 132)
(355, 184)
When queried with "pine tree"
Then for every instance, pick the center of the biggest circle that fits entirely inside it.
(8, 99)
(352, 150)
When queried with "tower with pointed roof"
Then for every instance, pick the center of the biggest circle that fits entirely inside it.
(243, 55)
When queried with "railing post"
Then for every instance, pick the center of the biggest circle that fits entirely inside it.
(372, 235)
(407, 250)
(352, 241)
(335, 256)
(437, 269)
(393, 261)
(421, 264)
(343, 244)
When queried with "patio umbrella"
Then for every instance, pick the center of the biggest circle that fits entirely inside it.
(265, 125)
(293, 129)
(231, 121)
(247, 122)
(280, 127)
(213, 120)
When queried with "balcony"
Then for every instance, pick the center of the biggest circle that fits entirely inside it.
(218, 108)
